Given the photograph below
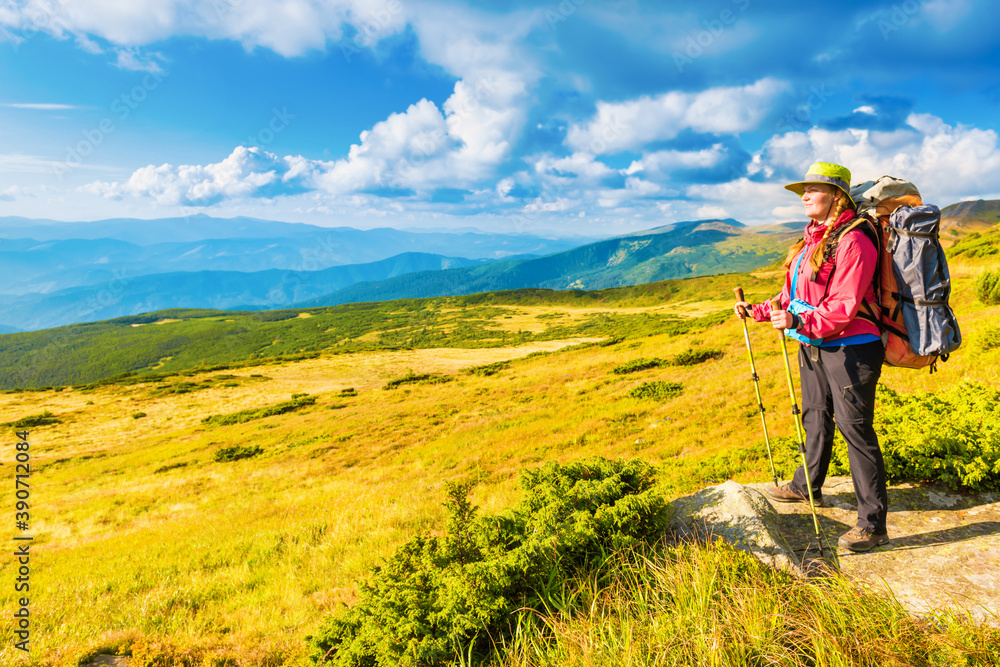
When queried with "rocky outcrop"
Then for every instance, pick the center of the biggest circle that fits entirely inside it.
(944, 549)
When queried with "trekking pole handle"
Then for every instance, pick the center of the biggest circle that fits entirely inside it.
(739, 297)
(776, 306)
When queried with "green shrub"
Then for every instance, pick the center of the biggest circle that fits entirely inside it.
(658, 390)
(416, 378)
(988, 288)
(951, 437)
(691, 357)
(637, 365)
(349, 391)
(989, 338)
(298, 401)
(463, 593)
(489, 369)
(178, 388)
(237, 452)
(977, 245)
(41, 419)
(138, 415)
(173, 466)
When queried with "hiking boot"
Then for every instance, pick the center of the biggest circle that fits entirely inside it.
(862, 539)
(786, 494)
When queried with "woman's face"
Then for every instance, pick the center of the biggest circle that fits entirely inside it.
(818, 200)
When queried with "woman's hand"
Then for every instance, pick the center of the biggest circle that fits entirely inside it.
(743, 309)
(782, 319)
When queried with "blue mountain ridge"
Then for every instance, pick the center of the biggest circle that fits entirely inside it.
(259, 290)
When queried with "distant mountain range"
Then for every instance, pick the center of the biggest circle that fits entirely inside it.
(697, 248)
(127, 279)
(259, 290)
(66, 273)
(63, 272)
(45, 257)
(147, 232)
(203, 227)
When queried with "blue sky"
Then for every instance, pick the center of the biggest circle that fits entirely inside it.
(575, 116)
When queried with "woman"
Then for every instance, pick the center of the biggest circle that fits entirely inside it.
(830, 277)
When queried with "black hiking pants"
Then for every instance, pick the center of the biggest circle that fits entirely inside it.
(838, 385)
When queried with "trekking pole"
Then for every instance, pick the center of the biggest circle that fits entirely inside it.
(775, 305)
(756, 383)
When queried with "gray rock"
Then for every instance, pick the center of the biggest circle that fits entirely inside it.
(740, 516)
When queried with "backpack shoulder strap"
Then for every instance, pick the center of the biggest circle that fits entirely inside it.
(867, 226)
(870, 228)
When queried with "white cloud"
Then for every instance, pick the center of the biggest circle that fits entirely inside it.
(488, 108)
(288, 27)
(471, 44)
(246, 172)
(485, 117)
(473, 132)
(746, 200)
(947, 163)
(12, 193)
(635, 188)
(542, 205)
(132, 59)
(423, 148)
(663, 162)
(710, 212)
(620, 126)
(88, 45)
(402, 151)
(578, 164)
(504, 186)
(420, 149)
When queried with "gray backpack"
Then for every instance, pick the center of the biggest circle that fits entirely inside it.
(912, 281)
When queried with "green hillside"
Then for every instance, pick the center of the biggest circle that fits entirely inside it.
(184, 339)
(978, 247)
(967, 217)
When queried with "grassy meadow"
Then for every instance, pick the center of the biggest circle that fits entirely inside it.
(147, 539)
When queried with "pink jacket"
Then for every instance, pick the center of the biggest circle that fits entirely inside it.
(836, 315)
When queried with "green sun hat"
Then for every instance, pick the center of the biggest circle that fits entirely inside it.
(826, 173)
